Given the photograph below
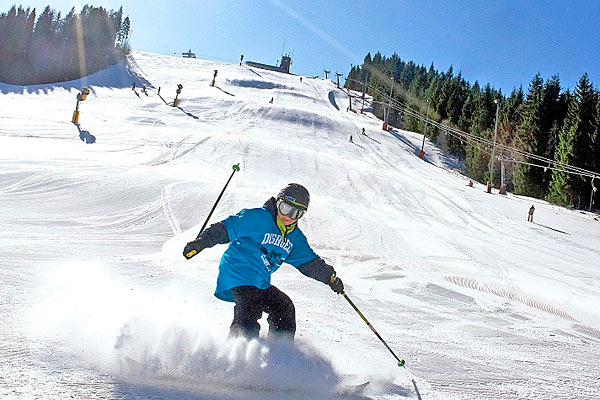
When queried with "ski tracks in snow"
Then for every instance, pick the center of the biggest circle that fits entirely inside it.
(165, 198)
(171, 151)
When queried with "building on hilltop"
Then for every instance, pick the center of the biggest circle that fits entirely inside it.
(284, 65)
(189, 54)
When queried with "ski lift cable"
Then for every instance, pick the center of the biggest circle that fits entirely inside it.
(477, 142)
(500, 145)
(399, 106)
(593, 176)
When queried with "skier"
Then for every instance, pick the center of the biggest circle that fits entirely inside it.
(260, 240)
(530, 216)
(351, 139)
(363, 131)
(271, 101)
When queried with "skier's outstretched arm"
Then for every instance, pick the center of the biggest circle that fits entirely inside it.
(214, 234)
(321, 271)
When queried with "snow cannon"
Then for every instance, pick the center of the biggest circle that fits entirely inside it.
(177, 93)
(81, 96)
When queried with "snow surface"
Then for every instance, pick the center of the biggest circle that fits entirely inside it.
(97, 301)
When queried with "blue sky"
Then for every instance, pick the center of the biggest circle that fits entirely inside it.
(501, 42)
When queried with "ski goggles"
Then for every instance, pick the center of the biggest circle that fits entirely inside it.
(290, 210)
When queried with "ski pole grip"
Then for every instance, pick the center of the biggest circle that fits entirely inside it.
(190, 254)
(236, 167)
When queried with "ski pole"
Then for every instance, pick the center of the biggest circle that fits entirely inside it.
(236, 168)
(400, 362)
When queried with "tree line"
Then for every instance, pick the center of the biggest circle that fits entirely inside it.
(52, 48)
(545, 123)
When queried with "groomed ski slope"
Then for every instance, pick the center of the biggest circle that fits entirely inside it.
(96, 300)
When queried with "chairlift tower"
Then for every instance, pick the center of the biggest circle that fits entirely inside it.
(385, 122)
(337, 75)
(491, 181)
(364, 88)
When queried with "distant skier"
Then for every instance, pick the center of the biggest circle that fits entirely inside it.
(133, 86)
(271, 101)
(351, 139)
(530, 216)
(144, 90)
(260, 240)
(363, 131)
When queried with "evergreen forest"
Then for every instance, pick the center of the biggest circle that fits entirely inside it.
(547, 139)
(46, 47)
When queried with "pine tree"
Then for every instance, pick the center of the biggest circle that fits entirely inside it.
(417, 86)
(528, 180)
(584, 143)
(511, 115)
(596, 155)
(125, 31)
(15, 41)
(553, 113)
(475, 161)
(445, 92)
(117, 21)
(464, 122)
(432, 93)
(67, 37)
(456, 101)
(574, 144)
(378, 60)
(42, 53)
(561, 191)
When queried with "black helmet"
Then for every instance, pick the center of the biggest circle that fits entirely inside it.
(295, 194)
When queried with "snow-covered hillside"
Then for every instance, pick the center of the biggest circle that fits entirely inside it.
(97, 300)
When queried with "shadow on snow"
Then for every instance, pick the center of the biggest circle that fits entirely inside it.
(121, 75)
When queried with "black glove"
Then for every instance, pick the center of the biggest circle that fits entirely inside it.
(336, 284)
(192, 248)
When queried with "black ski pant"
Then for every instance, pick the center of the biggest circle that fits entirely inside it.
(251, 302)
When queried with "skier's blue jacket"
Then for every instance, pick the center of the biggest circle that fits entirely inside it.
(257, 248)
